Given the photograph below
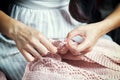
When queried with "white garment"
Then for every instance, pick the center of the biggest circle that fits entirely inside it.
(42, 3)
(51, 17)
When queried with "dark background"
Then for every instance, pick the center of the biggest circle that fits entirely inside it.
(91, 11)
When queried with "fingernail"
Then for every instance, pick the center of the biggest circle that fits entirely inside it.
(39, 58)
(71, 42)
(54, 51)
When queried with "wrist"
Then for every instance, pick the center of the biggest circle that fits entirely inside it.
(11, 29)
(104, 27)
(7, 24)
(15, 27)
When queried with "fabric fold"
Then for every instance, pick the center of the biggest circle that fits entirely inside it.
(102, 63)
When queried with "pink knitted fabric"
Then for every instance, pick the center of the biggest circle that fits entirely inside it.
(2, 76)
(102, 63)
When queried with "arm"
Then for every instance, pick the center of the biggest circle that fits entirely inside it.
(31, 43)
(6, 24)
(111, 22)
(92, 32)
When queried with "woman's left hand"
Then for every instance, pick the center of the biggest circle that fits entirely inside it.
(90, 34)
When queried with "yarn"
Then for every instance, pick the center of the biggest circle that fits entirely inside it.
(102, 63)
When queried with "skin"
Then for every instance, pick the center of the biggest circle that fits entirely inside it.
(92, 32)
(33, 44)
(30, 42)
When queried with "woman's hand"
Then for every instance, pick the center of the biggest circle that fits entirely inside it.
(90, 34)
(31, 43)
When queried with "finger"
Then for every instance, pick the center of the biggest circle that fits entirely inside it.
(28, 56)
(63, 49)
(86, 51)
(41, 49)
(72, 34)
(48, 44)
(32, 51)
(84, 46)
(70, 56)
(57, 44)
(72, 46)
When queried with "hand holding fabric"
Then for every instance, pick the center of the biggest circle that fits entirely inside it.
(31, 43)
(90, 34)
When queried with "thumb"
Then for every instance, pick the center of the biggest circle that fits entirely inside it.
(84, 46)
(71, 35)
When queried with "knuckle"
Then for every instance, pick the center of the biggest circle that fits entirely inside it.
(32, 40)
(26, 46)
(78, 51)
(70, 34)
(88, 43)
(22, 50)
(39, 34)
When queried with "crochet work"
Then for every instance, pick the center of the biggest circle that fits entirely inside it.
(102, 63)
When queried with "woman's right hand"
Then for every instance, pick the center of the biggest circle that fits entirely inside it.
(30, 42)
(90, 34)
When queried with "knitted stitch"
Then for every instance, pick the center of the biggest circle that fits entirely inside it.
(102, 63)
